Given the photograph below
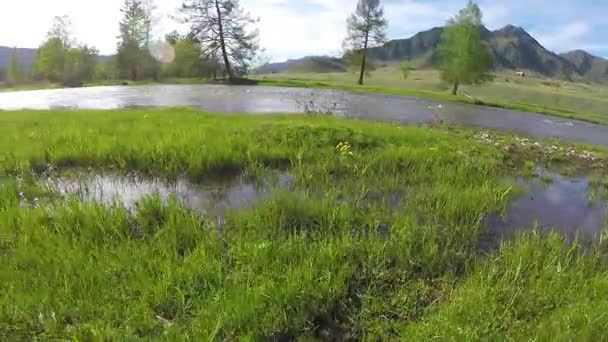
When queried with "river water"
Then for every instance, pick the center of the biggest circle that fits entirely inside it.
(261, 99)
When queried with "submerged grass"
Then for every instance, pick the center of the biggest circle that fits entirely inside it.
(329, 259)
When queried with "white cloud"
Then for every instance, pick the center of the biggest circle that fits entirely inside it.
(497, 15)
(285, 33)
(294, 28)
(565, 38)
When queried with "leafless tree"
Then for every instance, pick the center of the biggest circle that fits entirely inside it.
(224, 32)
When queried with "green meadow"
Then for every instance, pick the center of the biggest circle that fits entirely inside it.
(332, 258)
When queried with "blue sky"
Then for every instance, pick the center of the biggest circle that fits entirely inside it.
(295, 28)
(560, 25)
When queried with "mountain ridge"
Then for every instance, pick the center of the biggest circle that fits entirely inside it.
(512, 48)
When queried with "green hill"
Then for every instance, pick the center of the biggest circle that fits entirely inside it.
(317, 65)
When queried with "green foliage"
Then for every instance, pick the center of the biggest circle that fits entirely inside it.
(59, 60)
(404, 67)
(49, 61)
(106, 70)
(80, 66)
(465, 58)
(133, 59)
(14, 70)
(71, 67)
(188, 61)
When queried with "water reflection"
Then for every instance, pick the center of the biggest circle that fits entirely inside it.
(210, 199)
(553, 202)
(261, 99)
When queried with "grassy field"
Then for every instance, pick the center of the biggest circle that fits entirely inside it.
(329, 259)
(566, 99)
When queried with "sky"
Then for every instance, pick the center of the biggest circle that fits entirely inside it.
(296, 28)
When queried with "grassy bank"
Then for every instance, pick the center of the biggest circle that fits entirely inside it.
(332, 258)
(439, 95)
(566, 99)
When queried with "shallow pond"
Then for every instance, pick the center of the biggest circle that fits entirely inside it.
(551, 202)
(261, 99)
(208, 199)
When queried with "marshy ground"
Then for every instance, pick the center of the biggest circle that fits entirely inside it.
(349, 230)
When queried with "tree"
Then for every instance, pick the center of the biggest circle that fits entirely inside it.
(222, 29)
(134, 39)
(404, 67)
(106, 69)
(14, 71)
(353, 61)
(61, 29)
(187, 62)
(80, 65)
(365, 27)
(60, 59)
(465, 58)
(49, 61)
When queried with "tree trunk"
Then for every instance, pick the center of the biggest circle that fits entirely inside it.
(364, 58)
(455, 89)
(133, 72)
(222, 41)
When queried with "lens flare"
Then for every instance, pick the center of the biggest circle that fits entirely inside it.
(162, 52)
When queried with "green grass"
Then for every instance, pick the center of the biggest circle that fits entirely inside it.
(570, 100)
(304, 264)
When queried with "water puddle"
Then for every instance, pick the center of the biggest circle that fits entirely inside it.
(209, 199)
(551, 202)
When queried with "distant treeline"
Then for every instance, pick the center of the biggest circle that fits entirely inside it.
(201, 53)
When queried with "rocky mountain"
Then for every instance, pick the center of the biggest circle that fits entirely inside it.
(594, 68)
(512, 48)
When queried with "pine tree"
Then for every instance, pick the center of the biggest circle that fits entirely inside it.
(134, 39)
(221, 28)
(365, 27)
